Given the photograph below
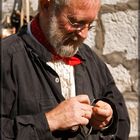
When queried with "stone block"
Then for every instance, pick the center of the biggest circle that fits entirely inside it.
(122, 77)
(121, 33)
(112, 2)
(133, 108)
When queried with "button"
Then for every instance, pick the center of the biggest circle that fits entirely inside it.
(57, 80)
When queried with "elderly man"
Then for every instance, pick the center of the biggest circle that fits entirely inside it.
(54, 87)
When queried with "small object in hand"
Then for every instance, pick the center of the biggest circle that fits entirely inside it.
(75, 128)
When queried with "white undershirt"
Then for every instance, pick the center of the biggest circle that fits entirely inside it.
(66, 75)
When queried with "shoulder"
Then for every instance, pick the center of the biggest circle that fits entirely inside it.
(11, 45)
(94, 63)
(89, 55)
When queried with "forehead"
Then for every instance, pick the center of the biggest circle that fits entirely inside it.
(82, 8)
(83, 3)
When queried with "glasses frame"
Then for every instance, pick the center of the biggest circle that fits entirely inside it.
(79, 26)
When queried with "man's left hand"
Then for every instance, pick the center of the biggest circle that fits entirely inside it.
(102, 115)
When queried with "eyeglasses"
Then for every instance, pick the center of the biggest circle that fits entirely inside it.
(78, 26)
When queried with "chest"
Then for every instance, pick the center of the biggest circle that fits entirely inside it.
(40, 85)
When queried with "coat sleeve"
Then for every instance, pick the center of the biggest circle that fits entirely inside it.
(26, 127)
(121, 120)
(107, 90)
(14, 126)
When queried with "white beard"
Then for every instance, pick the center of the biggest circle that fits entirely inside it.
(65, 45)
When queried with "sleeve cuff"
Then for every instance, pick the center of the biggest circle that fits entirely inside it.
(42, 127)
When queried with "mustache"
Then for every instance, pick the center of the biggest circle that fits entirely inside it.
(70, 39)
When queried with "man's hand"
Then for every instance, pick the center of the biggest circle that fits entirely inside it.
(102, 114)
(72, 112)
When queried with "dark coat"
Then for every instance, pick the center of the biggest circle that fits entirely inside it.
(29, 88)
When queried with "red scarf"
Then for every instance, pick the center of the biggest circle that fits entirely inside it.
(38, 34)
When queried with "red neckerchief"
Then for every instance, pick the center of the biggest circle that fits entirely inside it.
(38, 34)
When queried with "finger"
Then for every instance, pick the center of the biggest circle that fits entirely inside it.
(103, 105)
(99, 112)
(84, 121)
(83, 99)
(98, 124)
(86, 107)
(87, 114)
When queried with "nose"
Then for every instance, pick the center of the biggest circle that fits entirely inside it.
(83, 33)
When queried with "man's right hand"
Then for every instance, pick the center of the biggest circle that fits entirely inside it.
(72, 112)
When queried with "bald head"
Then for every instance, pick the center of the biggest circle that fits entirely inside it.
(44, 3)
(60, 3)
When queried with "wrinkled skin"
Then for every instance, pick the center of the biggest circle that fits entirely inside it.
(78, 111)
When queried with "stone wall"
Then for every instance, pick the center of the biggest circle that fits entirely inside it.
(115, 40)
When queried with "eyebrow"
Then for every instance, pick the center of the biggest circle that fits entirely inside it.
(78, 20)
(75, 20)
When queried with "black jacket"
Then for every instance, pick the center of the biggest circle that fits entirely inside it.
(29, 88)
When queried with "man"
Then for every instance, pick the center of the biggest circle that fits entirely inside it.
(53, 85)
